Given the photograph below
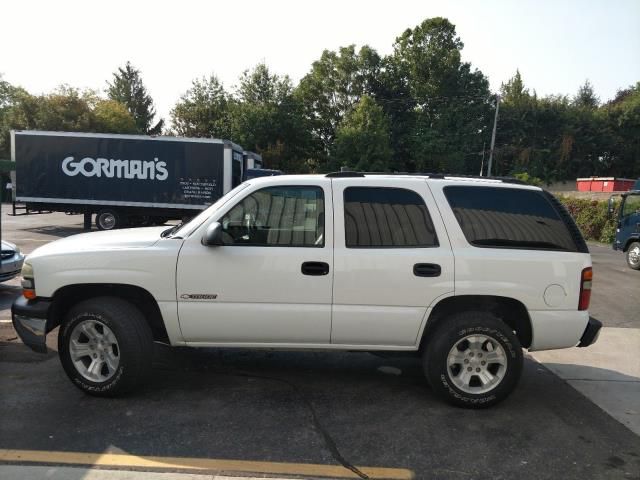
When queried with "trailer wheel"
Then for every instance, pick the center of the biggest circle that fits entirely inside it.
(107, 219)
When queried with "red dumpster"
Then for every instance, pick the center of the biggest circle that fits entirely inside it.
(604, 184)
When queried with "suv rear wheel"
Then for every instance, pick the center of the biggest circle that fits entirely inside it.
(105, 346)
(473, 359)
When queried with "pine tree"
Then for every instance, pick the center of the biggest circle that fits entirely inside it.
(128, 89)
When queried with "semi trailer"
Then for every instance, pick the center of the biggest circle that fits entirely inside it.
(125, 180)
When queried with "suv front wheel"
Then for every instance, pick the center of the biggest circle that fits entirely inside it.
(473, 359)
(105, 346)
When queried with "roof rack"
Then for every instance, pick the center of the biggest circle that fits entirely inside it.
(350, 174)
(344, 174)
(502, 179)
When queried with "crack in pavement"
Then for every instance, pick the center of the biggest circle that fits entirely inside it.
(329, 442)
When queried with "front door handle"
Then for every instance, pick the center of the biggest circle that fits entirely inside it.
(427, 270)
(315, 268)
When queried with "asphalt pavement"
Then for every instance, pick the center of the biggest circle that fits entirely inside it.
(304, 414)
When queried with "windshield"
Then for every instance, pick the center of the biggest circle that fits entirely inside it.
(185, 229)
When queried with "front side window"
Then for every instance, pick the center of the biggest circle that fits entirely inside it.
(277, 217)
(508, 218)
(386, 218)
(631, 205)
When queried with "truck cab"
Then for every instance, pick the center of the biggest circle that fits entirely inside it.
(628, 226)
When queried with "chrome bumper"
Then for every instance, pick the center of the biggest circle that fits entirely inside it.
(30, 318)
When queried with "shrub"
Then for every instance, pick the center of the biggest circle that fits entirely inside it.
(528, 179)
(592, 218)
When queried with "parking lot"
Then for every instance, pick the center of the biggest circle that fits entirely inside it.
(312, 414)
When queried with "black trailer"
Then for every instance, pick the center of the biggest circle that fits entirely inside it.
(126, 180)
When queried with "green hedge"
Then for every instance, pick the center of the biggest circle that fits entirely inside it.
(591, 217)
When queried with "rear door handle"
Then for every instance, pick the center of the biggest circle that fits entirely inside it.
(315, 268)
(427, 270)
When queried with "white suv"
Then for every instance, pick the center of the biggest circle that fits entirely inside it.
(467, 272)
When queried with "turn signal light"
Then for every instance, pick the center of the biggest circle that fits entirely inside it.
(28, 293)
(585, 288)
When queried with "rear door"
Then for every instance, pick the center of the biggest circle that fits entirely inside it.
(392, 260)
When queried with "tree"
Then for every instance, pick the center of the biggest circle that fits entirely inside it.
(362, 140)
(621, 118)
(127, 88)
(203, 111)
(514, 92)
(66, 109)
(112, 117)
(586, 97)
(552, 137)
(9, 96)
(449, 102)
(333, 86)
(268, 119)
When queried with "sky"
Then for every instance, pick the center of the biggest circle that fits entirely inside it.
(556, 44)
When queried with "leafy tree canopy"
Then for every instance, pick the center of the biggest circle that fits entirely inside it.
(203, 110)
(362, 141)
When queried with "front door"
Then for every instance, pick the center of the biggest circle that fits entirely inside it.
(271, 281)
(629, 224)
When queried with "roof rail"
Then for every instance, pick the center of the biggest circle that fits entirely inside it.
(502, 179)
(344, 174)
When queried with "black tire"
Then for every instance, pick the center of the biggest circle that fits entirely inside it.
(633, 251)
(108, 219)
(454, 329)
(134, 343)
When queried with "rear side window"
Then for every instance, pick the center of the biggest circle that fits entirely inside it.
(386, 218)
(509, 218)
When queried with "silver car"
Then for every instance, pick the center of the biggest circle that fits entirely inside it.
(12, 260)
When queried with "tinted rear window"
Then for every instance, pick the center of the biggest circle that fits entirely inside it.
(508, 218)
(386, 218)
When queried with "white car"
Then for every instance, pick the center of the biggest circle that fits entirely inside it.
(466, 272)
(12, 260)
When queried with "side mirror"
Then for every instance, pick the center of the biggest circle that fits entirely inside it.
(213, 236)
(611, 207)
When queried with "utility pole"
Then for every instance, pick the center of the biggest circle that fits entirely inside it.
(493, 135)
(484, 144)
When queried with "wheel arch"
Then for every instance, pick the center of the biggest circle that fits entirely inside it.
(630, 240)
(509, 310)
(66, 297)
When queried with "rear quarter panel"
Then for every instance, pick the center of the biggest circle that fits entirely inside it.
(524, 275)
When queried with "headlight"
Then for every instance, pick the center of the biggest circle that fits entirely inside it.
(28, 283)
(27, 270)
